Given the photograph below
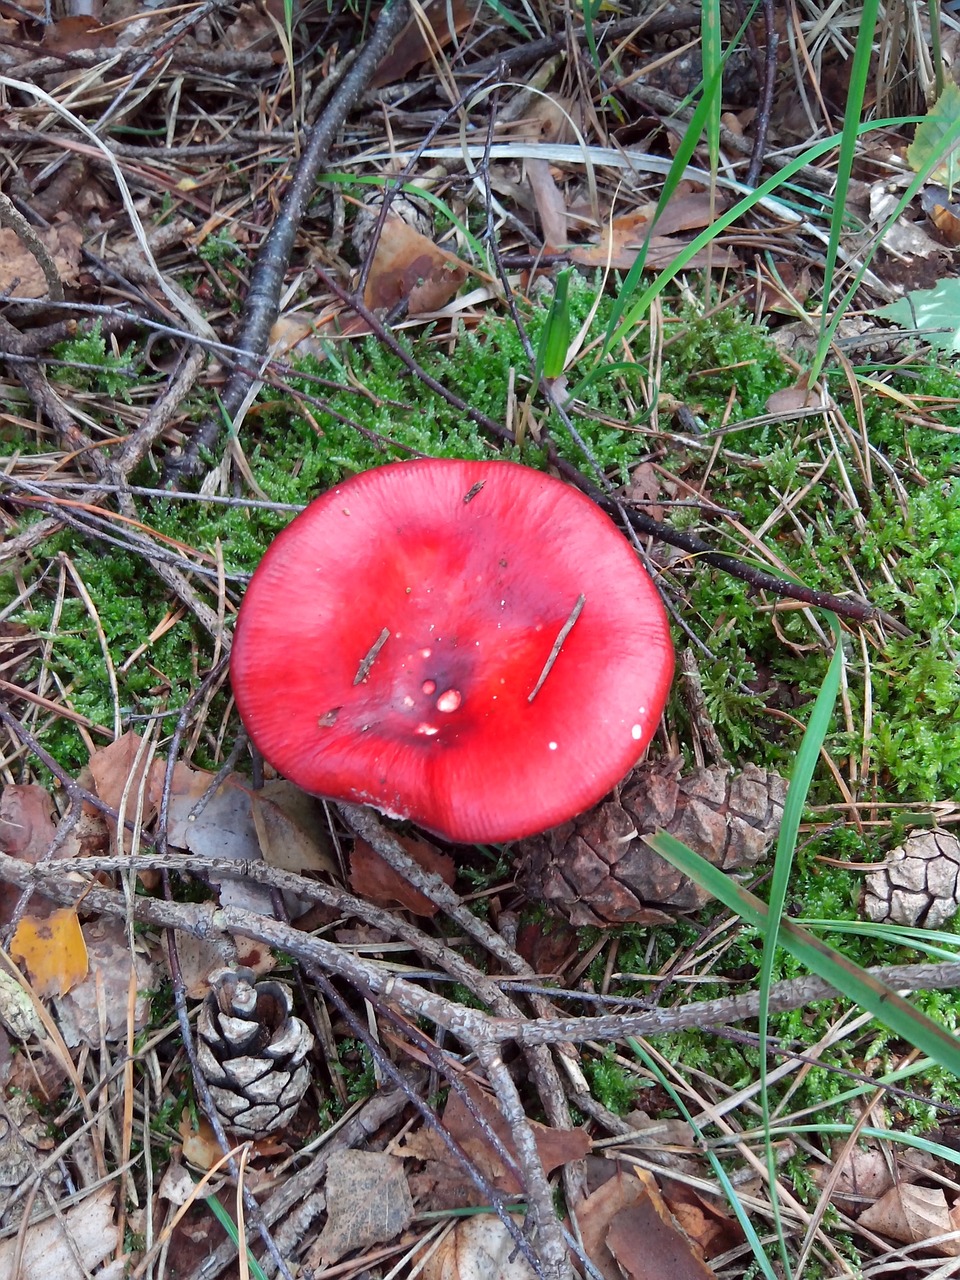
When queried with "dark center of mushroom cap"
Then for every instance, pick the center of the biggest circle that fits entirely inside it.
(393, 645)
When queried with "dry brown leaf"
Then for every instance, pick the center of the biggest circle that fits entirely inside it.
(27, 825)
(75, 31)
(113, 767)
(645, 488)
(550, 205)
(628, 1230)
(53, 950)
(548, 119)
(598, 1211)
(290, 828)
(200, 1146)
(96, 1009)
(622, 237)
(943, 212)
(478, 1248)
(792, 399)
(708, 1227)
(411, 48)
(376, 880)
(21, 274)
(648, 1244)
(18, 643)
(911, 1215)
(68, 1246)
(368, 1202)
(407, 267)
(252, 29)
(783, 293)
(441, 1185)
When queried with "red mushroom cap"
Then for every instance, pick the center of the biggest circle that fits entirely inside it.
(391, 649)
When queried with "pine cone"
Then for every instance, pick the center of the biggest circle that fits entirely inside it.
(252, 1052)
(918, 883)
(597, 870)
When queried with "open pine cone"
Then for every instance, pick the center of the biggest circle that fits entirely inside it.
(252, 1052)
(918, 884)
(597, 870)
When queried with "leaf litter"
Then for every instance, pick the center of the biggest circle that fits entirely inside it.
(146, 837)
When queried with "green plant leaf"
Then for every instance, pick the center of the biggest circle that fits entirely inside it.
(934, 135)
(555, 338)
(935, 312)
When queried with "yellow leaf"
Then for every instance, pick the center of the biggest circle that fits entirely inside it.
(53, 951)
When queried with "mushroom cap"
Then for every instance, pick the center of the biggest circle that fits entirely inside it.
(389, 642)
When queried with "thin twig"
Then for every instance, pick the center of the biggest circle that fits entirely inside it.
(762, 122)
(266, 283)
(554, 653)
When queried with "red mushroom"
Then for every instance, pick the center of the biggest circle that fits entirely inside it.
(471, 645)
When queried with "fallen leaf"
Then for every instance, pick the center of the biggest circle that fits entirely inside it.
(96, 1008)
(712, 1230)
(224, 829)
(200, 1146)
(596, 1213)
(628, 1231)
(648, 1244)
(644, 489)
(550, 118)
(68, 1246)
(21, 275)
(115, 769)
(77, 31)
(368, 1202)
(441, 1185)
(53, 950)
(622, 237)
(943, 212)
(783, 293)
(911, 1215)
(27, 825)
(408, 267)
(793, 399)
(374, 879)
(290, 829)
(478, 1248)
(444, 19)
(251, 29)
(18, 643)
(550, 205)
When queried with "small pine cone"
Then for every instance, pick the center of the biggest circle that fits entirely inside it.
(252, 1052)
(597, 870)
(918, 884)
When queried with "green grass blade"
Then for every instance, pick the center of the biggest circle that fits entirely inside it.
(846, 977)
(230, 1227)
(849, 138)
(729, 1190)
(625, 317)
(800, 779)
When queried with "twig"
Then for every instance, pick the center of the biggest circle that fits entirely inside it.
(377, 1111)
(10, 216)
(522, 55)
(35, 383)
(766, 97)
(266, 282)
(475, 1028)
(554, 653)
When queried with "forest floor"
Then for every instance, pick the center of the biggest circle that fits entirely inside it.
(696, 261)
